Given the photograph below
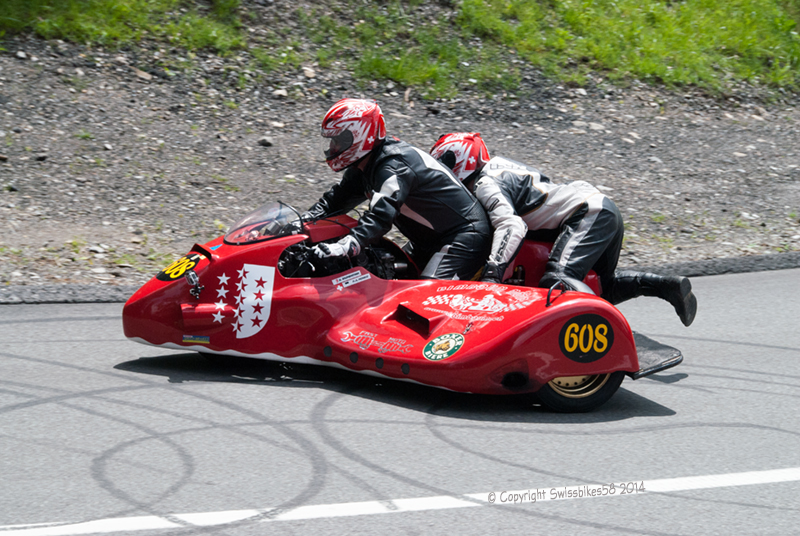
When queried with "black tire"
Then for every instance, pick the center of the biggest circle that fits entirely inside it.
(578, 394)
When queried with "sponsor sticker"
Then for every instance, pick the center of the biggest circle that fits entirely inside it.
(365, 340)
(179, 267)
(586, 338)
(196, 339)
(485, 303)
(350, 279)
(443, 346)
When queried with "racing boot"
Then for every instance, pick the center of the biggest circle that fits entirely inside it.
(675, 289)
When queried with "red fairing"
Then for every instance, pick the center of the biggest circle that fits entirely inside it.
(463, 336)
(329, 228)
(533, 256)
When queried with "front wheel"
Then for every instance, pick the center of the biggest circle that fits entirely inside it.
(578, 394)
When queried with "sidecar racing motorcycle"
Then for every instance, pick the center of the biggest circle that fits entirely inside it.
(258, 292)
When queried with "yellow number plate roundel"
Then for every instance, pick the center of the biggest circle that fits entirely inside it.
(179, 267)
(586, 338)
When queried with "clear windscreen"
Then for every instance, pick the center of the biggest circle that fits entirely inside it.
(272, 220)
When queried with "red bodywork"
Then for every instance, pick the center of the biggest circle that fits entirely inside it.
(459, 335)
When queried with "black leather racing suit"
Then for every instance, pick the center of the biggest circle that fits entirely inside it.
(447, 227)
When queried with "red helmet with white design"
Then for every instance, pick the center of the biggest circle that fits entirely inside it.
(351, 129)
(463, 152)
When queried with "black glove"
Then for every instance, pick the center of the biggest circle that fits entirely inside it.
(492, 273)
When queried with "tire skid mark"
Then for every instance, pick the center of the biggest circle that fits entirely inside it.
(726, 342)
(715, 390)
(24, 385)
(746, 371)
(241, 429)
(458, 446)
(80, 368)
(719, 377)
(756, 391)
(62, 341)
(643, 429)
(319, 421)
(209, 425)
(306, 447)
(99, 464)
(20, 394)
(65, 397)
(319, 466)
(115, 318)
(432, 428)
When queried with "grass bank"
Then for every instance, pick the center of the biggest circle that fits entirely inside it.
(443, 47)
(113, 23)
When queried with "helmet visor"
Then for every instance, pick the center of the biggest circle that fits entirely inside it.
(336, 145)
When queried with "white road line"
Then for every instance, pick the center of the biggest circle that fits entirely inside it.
(443, 502)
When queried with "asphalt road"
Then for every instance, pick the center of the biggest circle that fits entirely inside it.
(102, 435)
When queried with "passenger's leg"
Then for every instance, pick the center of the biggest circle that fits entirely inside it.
(675, 289)
(589, 239)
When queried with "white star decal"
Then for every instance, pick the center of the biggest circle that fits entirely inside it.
(220, 305)
(223, 279)
(222, 292)
(218, 317)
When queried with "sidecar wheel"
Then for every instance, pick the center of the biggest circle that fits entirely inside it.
(578, 394)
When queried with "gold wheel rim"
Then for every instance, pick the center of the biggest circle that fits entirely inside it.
(578, 386)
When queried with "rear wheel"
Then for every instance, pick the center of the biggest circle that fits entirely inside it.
(576, 394)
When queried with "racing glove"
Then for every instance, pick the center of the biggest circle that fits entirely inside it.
(346, 247)
(492, 273)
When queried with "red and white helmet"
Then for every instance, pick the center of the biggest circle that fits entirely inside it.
(351, 129)
(463, 152)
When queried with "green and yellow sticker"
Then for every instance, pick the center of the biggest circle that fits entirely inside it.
(179, 267)
(586, 338)
(443, 346)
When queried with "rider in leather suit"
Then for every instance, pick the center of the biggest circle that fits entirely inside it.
(446, 226)
(585, 225)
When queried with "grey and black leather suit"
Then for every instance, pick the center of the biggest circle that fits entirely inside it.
(585, 226)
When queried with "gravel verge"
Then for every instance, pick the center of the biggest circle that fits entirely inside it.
(111, 167)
